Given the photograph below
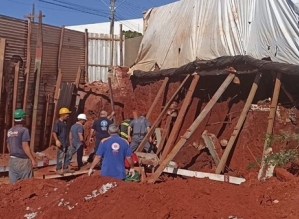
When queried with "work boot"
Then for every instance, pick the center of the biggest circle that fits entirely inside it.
(68, 171)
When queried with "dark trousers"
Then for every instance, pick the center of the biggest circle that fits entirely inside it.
(79, 150)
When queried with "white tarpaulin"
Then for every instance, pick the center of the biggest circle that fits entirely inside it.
(186, 30)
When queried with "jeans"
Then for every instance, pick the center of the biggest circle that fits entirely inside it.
(19, 169)
(136, 140)
(63, 153)
(78, 148)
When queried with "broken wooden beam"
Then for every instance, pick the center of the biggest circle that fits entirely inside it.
(239, 125)
(211, 176)
(192, 128)
(158, 96)
(162, 114)
(267, 170)
(37, 70)
(210, 145)
(178, 122)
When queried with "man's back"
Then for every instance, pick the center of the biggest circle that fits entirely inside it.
(140, 125)
(101, 127)
(75, 130)
(114, 150)
(15, 137)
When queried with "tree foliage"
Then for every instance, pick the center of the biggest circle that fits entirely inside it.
(131, 34)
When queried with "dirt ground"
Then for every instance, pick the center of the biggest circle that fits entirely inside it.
(193, 198)
(174, 197)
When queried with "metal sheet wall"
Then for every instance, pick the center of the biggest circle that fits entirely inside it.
(73, 54)
(99, 56)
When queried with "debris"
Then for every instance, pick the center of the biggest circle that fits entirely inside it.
(275, 201)
(30, 215)
(104, 188)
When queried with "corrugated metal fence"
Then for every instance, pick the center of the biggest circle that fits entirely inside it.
(99, 56)
(72, 57)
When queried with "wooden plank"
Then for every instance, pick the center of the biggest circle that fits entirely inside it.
(201, 175)
(210, 145)
(192, 128)
(239, 125)
(178, 122)
(162, 114)
(121, 56)
(158, 135)
(60, 47)
(56, 97)
(15, 90)
(55, 176)
(165, 134)
(266, 170)
(111, 98)
(38, 63)
(28, 64)
(158, 96)
(78, 75)
(2, 55)
(86, 55)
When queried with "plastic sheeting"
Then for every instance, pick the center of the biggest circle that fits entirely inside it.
(187, 30)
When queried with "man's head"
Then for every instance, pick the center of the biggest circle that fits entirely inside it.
(19, 116)
(82, 118)
(64, 113)
(103, 113)
(113, 129)
(143, 114)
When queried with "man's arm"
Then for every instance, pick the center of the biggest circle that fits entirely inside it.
(130, 161)
(91, 135)
(111, 115)
(26, 148)
(70, 139)
(95, 161)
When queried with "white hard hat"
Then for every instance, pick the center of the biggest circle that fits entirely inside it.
(82, 116)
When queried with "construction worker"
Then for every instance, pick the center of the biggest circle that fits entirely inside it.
(21, 160)
(139, 127)
(100, 127)
(124, 127)
(60, 135)
(76, 138)
(114, 150)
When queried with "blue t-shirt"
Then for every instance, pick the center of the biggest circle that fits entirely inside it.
(60, 128)
(75, 130)
(114, 151)
(101, 126)
(15, 137)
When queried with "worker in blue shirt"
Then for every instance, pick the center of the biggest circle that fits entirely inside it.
(114, 150)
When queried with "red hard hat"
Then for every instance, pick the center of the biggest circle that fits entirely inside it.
(135, 161)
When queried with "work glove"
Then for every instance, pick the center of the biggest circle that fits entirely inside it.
(90, 172)
(58, 143)
(132, 172)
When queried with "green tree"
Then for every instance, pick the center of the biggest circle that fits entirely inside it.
(131, 34)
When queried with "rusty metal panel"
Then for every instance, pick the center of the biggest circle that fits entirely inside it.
(72, 55)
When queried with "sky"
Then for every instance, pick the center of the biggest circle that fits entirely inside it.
(76, 12)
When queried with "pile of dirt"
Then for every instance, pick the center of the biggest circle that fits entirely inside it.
(99, 197)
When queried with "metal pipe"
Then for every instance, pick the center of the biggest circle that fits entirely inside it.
(60, 48)
(192, 128)
(162, 114)
(239, 125)
(178, 122)
(86, 55)
(111, 98)
(121, 56)
(158, 96)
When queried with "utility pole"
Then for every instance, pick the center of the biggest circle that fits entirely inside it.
(112, 13)
(33, 12)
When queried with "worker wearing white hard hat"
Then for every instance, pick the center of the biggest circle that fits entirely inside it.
(76, 137)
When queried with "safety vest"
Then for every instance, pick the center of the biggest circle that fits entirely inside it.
(124, 128)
